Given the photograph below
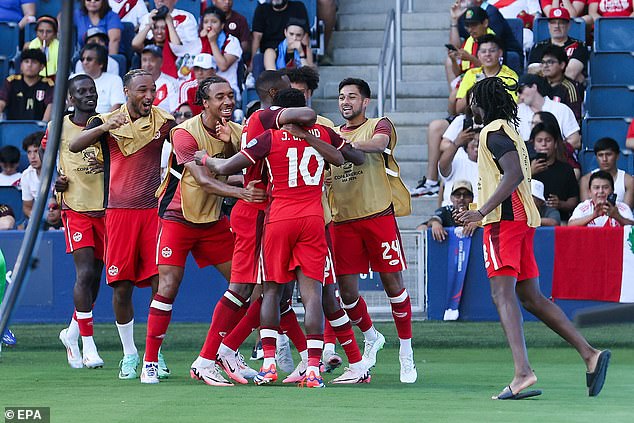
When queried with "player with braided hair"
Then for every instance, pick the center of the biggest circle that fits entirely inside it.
(509, 215)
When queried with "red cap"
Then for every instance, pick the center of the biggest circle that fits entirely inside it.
(559, 13)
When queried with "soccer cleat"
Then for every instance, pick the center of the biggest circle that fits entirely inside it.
(210, 375)
(149, 374)
(331, 361)
(163, 370)
(266, 375)
(408, 368)
(8, 338)
(92, 360)
(371, 348)
(313, 381)
(246, 371)
(72, 350)
(230, 363)
(298, 375)
(258, 352)
(353, 375)
(283, 355)
(424, 188)
(128, 366)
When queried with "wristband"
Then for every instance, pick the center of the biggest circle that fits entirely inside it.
(480, 213)
(204, 160)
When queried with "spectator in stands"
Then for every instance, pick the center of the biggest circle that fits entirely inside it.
(166, 86)
(7, 218)
(269, 21)
(524, 10)
(549, 216)
(98, 36)
(599, 210)
(629, 138)
(21, 12)
(558, 27)
(570, 153)
(575, 8)
(533, 91)
(225, 48)
(46, 40)
(461, 196)
(561, 191)
(327, 12)
(459, 159)
(562, 88)
(31, 176)
(606, 9)
(179, 52)
(28, 96)
(159, 30)
(129, 10)
(607, 152)
(203, 68)
(291, 52)
(94, 58)
(236, 25)
(53, 216)
(97, 13)
(182, 113)
(9, 162)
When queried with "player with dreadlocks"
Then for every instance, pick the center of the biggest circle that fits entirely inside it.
(509, 216)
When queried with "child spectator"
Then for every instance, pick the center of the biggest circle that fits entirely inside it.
(9, 162)
(46, 40)
(291, 52)
(549, 215)
(97, 13)
(159, 30)
(31, 176)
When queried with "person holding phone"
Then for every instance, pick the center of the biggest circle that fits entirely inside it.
(601, 209)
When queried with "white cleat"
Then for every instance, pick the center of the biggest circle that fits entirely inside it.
(298, 375)
(229, 362)
(149, 373)
(163, 371)
(73, 355)
(246, 371)
(408, 368)
(371, 348)
(331, 361)
(353, 375)
(210, 375)
(92, 360)
(283, 355)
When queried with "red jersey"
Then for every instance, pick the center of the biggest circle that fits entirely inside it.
(296, 171)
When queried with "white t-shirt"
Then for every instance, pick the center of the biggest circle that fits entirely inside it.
(233, 48)
(113, 67)
(462, 168)
(110, 92)
(10, 180)
(166, 93)
(564, 115)
(132, 10)
(455, 128)
(30, 184)
(586, 208)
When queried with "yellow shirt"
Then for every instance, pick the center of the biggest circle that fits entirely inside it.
(474, 75)
(469, 46)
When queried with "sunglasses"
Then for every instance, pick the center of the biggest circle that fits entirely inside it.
(53, 207)
(186, 115)
(88, 59)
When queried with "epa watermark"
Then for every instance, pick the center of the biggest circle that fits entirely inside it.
(27, 414)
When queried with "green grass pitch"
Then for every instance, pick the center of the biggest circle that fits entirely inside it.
(460, 366)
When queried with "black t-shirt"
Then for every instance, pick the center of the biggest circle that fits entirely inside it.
(575, 49)
(570, 93)
(26, 102)
(272, 24)
(559, 179)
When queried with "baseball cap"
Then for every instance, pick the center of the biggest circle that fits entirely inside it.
(154, 49)
(95, 30)
(475, 15)
(538, 189)
(529, 79)
(204, 61)
(462, 184)
(559, 13)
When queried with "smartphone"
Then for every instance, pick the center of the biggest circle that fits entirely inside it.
(541, 156)
(451, 47)
(468, 122)
(612, 199)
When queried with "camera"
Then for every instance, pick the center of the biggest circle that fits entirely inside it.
(161, 13)
(612, 199)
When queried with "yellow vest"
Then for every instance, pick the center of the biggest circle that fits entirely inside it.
(489, 175)
(361, 191)
(198, 206)
(85, 188)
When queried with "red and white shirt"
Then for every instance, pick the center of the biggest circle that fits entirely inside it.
(586, 208)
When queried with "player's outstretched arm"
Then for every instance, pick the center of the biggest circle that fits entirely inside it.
(222, 166)
(95, 129)
(352, 155)
(377, 144)
(211, 185)
(304, 116)
(328, 151)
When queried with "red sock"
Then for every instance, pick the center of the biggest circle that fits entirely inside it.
(268, 336)
(315, 347)
(402, 313)
(290, 326)
(358, 314)
(329, 334)
(227, 314)
(157, 322)
(247, 324)
(345, 335)
(84, 321)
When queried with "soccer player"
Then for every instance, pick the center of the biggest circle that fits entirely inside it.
(131, 140)
(364, 200)
(83, 216)
(190, 215)
(294, 239)
(506, 209)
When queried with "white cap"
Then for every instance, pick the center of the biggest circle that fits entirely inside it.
(204, 61)
(538, 189)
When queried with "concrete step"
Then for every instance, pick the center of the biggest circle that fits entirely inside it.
(400, 119)
(411, 56)
(377, 21)
(382, 6)
(410, 152)
(405, 104)
(329, 88)
(369, 37)
(369, 72)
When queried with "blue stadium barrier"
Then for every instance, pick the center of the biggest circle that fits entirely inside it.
(514, 59)
(13, 198)
(48, 7)
(541, 33)
(607, 100)
(588, 161)
(12, 132)
(10, 36)
(614, 34)
(610, 68)
(596, 128)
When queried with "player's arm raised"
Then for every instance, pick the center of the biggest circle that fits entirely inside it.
(212, 185)
(328, 151)
(95, 130)
(222, 166)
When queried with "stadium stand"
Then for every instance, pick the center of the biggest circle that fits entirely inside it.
(48, 7)
(10, 36)
(577, 29)
(12, 132)
(514, 60)
(614, 34)
(610, 100)
(594, 128)
(13, 198)
(589, 160)
(125, 47)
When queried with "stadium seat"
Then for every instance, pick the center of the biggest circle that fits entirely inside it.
(514, 59)
(4, 68)
(541, 33)
(24, 162)
(48, 7)
(595, 128)
(125, 46)
(614, 34)
(589, 161)
(10, 36)
(123, 63)
(607, 100)
(13, 198)
(12, 132)
(609, 68)
(29, 32)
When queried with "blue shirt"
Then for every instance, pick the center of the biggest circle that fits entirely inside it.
(83, 24)
(11, 10)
